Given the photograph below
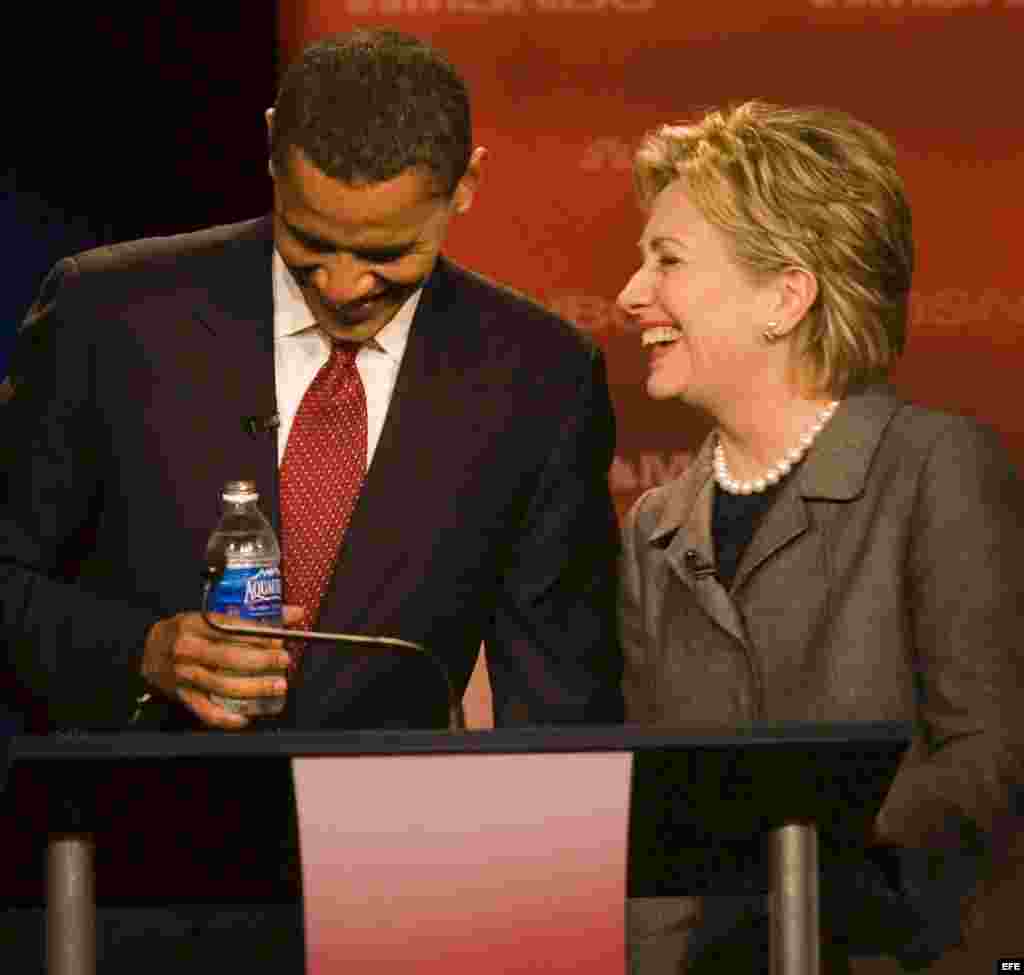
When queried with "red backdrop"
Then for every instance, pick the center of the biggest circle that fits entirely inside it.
(563, 89)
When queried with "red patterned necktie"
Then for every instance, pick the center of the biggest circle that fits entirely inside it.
(321, 476)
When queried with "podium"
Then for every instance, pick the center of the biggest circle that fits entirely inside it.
(507, 850)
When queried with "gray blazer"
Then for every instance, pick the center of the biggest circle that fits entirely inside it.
(883, 584)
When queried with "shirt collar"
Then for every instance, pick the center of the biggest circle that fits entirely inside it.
(292, 314)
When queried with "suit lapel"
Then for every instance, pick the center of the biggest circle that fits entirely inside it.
(238, 312)
(406, 454)
(392, 513)
(413, 414)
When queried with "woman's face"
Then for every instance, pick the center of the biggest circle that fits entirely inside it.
(703, 316)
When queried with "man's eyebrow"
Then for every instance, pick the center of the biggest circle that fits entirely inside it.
(391, 251)
(320, 244)
(311, 240)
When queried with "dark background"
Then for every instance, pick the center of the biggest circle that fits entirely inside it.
(143, 122)
(140, 123)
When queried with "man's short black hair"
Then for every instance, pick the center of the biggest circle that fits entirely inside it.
(364, 107)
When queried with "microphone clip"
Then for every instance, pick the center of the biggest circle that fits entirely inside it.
(258, 425)
(698, 567)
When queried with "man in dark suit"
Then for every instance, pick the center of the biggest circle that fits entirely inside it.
(149, 374)
(483, 512)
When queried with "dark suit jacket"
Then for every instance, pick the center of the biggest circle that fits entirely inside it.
(485, 514)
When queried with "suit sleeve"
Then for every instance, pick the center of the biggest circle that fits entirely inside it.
(552, 649)
(72, 658)
(966, 608)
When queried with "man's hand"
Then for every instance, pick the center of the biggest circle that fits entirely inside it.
(183, 658)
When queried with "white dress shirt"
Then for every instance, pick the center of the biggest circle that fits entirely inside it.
(300, 349)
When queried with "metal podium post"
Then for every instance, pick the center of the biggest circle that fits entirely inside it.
(70, 905)
(795, 942)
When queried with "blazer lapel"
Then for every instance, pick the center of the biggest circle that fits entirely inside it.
(685, 528)
(784, 521)
(835, 470)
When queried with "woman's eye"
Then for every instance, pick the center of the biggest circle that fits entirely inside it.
(667, 260)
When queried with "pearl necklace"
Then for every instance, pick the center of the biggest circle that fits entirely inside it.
(775, 474)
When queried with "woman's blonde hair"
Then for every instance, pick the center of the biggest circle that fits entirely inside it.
(810, 188)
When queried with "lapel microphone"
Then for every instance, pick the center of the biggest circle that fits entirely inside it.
(257, 426)
(698, 566)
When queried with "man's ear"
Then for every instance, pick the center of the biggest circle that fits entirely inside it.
(465, 191)
(269, 116)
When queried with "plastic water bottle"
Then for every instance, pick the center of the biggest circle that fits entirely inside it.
(250, 588)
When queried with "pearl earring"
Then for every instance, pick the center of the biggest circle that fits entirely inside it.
(771, 333)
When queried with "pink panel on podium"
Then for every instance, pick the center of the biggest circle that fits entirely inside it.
(464, 863)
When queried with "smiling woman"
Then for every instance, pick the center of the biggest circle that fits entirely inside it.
(857, 554)
(690, 283)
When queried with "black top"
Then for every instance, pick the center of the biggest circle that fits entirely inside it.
(734, 518)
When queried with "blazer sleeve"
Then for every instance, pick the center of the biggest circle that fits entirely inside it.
(72, 658)
(552, 649)
(966, 590)
(635, 640)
